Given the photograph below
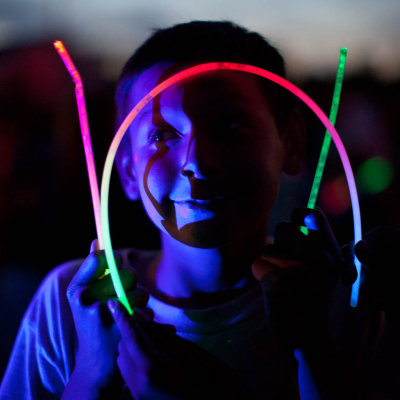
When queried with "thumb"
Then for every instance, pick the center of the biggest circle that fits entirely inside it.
(261, 268)
(94, 246)
(91, 269)
(120, 315)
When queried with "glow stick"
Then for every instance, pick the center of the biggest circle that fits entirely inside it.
(87, 143)
(189, 72)
(327, 139)
(322, 160)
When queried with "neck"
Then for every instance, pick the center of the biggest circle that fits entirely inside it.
(199, 278)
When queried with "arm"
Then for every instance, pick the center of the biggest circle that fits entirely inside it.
(44, 353)
(378, 252)
(95, 375)
(297, 275)
(322, 372)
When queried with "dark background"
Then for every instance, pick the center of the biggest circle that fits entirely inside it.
(45, 205)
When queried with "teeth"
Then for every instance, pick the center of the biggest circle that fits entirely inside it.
(199, 201)
(192, 211)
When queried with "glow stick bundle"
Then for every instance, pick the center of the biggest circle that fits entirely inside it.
(194, 71)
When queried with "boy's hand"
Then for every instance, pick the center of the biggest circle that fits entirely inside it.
(297, 274)
(379, 254)
(157, 364)
(98, 337)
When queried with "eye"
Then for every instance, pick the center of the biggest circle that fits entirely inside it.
(162, 134)
(233, 126)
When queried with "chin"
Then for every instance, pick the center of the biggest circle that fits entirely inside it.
(211, 233)
(205, 234)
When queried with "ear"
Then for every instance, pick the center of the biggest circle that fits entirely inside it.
(294, 136)
(127, 176)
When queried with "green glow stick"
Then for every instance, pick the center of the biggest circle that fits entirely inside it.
(327, 139)
(105, 188)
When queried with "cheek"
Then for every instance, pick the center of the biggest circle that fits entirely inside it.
(270, 178)
(156, 176)
(261, 175)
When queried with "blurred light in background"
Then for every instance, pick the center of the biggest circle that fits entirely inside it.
(43, 182)
(374, 175)
(309, 33)
(334, 196)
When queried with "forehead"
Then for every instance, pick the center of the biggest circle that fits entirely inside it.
(228, 88)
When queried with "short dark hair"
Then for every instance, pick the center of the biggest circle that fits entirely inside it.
(196, 42)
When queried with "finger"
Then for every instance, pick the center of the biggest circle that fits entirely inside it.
(262, 267)
(280, 282)
(92, 268)
(137, 298)
(104, 288)
(125, 362)
(291, 243)
(162, 334)
(277, 257)
(138, 344)
(364, 252)
(141, 316)
(348, 269)
(379, 248)
(348, 272)
(383, 238)
(94, 246)
(320, 244)
(149, 313)
(306, 217)
(317, 224)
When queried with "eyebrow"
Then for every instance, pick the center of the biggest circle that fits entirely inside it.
(241, 99)
(156, 118)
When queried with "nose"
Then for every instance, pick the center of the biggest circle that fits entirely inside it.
(200, 161)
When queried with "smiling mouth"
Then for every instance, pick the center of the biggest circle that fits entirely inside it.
(199, 202)
(195, 210)
(211, 204)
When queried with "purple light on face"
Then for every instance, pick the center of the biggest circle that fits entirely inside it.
(203, 68)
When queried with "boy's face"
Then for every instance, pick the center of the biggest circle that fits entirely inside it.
(206, 157)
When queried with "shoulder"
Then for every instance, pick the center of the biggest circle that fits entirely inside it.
(57, 280)
(53, 288)
(43, 354)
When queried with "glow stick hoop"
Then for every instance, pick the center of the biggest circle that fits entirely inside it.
(190, 72)
(87, 143)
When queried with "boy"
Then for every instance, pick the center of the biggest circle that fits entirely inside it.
(205, 158)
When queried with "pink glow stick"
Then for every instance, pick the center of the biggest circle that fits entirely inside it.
(87, 143)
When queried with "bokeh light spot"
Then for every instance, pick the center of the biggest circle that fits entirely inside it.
(335, 197)
(374, 175)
